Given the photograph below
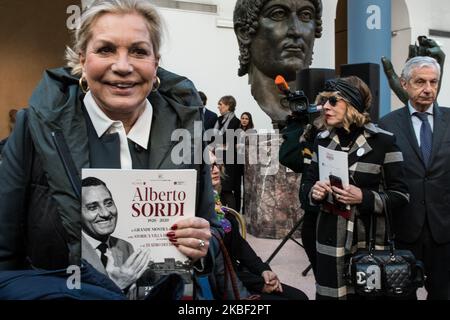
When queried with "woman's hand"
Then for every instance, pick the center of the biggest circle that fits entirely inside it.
(271, 282)
(320, 190)
(349, 195)
(191, 236)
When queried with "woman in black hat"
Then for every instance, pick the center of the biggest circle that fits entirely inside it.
(374, 167)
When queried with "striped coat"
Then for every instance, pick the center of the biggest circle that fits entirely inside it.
(375, 165)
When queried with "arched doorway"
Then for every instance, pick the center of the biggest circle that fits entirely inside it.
(401, 39)
(341, 31)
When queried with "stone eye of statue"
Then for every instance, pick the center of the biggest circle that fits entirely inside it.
(279, 13)
(306, 15)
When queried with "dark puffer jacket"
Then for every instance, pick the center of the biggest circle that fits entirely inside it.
(39, 208)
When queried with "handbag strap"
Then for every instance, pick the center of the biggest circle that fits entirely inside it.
(229, 270)
(390, 236)
(389, 229)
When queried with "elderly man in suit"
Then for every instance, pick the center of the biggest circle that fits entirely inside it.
(109, 255)
(423, 135)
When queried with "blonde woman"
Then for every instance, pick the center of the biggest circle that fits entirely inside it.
(374, 166)
(112, 107)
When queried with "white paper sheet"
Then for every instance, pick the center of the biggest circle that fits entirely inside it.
(332, 162)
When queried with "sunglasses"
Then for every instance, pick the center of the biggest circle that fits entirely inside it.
(332, 100)
(215, 165)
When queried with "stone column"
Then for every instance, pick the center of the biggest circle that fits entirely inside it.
(369, 38)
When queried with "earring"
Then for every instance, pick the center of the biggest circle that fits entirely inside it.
(156, 84)
(83, 84)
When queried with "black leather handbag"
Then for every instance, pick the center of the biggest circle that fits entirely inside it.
(393, 273)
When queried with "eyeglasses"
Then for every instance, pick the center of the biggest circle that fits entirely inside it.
(332, 100)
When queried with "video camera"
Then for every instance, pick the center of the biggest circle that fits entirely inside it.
(296, 101)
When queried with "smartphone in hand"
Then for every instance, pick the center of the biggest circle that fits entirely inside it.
(337, 182)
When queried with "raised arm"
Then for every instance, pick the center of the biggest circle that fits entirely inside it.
(426, 47)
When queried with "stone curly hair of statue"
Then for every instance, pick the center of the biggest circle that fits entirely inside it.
(246, 16)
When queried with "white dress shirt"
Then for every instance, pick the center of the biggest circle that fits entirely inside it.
(139, 133)
(417, 123)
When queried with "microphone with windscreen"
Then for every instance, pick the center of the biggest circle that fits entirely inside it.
(282, 85)
(297, 101)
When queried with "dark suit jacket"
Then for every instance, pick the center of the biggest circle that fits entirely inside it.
(209, 119)
(120, 250)
(429, 188)
(231, 180)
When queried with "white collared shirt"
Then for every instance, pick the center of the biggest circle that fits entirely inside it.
(94, 243)
(417, 123)
(139, 133)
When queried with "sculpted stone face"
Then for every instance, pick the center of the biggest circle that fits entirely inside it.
(276, 37)
(284, 41)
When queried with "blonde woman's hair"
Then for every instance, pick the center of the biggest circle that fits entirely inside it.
(352, 115)
(100, 7)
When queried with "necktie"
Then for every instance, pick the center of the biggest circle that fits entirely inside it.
(426, 136)
(102, 248)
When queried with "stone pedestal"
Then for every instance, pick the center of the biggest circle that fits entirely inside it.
(272, 206)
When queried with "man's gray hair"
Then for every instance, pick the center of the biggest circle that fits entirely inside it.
(420, 62)
(246, 15)
(100, 7)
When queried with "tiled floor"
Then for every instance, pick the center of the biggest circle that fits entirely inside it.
(289, 263)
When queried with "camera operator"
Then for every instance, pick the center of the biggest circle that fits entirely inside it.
(295, 153)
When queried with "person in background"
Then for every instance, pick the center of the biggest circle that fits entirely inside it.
(227, 121)
(424, 46)
(423, 135)
(246, 121)
(296, 154)
(374, 166)
(247, 128)
(209, 117)
(257, 276)
(112, 107)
